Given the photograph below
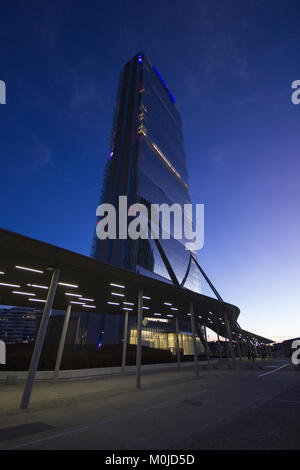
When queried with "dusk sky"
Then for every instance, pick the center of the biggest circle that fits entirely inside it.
(230, 65)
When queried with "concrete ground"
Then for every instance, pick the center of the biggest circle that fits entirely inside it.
(256, 408)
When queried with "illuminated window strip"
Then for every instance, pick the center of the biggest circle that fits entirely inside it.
(169, 165)
(157, 320)
(153, 146)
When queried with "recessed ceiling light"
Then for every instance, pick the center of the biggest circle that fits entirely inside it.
(8, 285)
(67, 284)
(38, 286)
(29, 269)
(23, 293)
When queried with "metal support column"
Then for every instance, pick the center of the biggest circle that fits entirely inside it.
(270, 351)
(243, 348)
(40, 340)
(177, 342)
(206, 342)
(139, 339)
(125, 342)
(238, 347)
(194, 337)
(219, 345)
(228, 330)
(62, 341)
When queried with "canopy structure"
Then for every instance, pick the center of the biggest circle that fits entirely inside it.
(110, 289)
(36, 273)
(93, 280)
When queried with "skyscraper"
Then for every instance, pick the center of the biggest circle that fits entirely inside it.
(146, 162)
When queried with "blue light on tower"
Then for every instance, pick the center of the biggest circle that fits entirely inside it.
(164, 84)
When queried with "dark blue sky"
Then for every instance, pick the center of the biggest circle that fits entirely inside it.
(229, 64)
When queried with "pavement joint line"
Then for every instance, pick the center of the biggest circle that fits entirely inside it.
(282, 400)
(272, 366)
(105, 421)
(275, 370)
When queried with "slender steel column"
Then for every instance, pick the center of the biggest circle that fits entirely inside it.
(206, 342)
(259, 350)
(227, 353)
(242, 348)
(228, 329)
(219, 345)
(125, 342)
(39, 341)
(270, 351)
(227, 348)
(250, 346)
(238, 347)
(194, 337)
(62, 341)
(177, 342)
(139, 339)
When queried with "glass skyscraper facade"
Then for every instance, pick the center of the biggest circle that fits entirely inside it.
(146, 162)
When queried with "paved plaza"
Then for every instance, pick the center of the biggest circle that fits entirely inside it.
(257, 408)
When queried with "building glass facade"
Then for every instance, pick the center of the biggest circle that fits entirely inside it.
(146, 162)
(18, 324)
